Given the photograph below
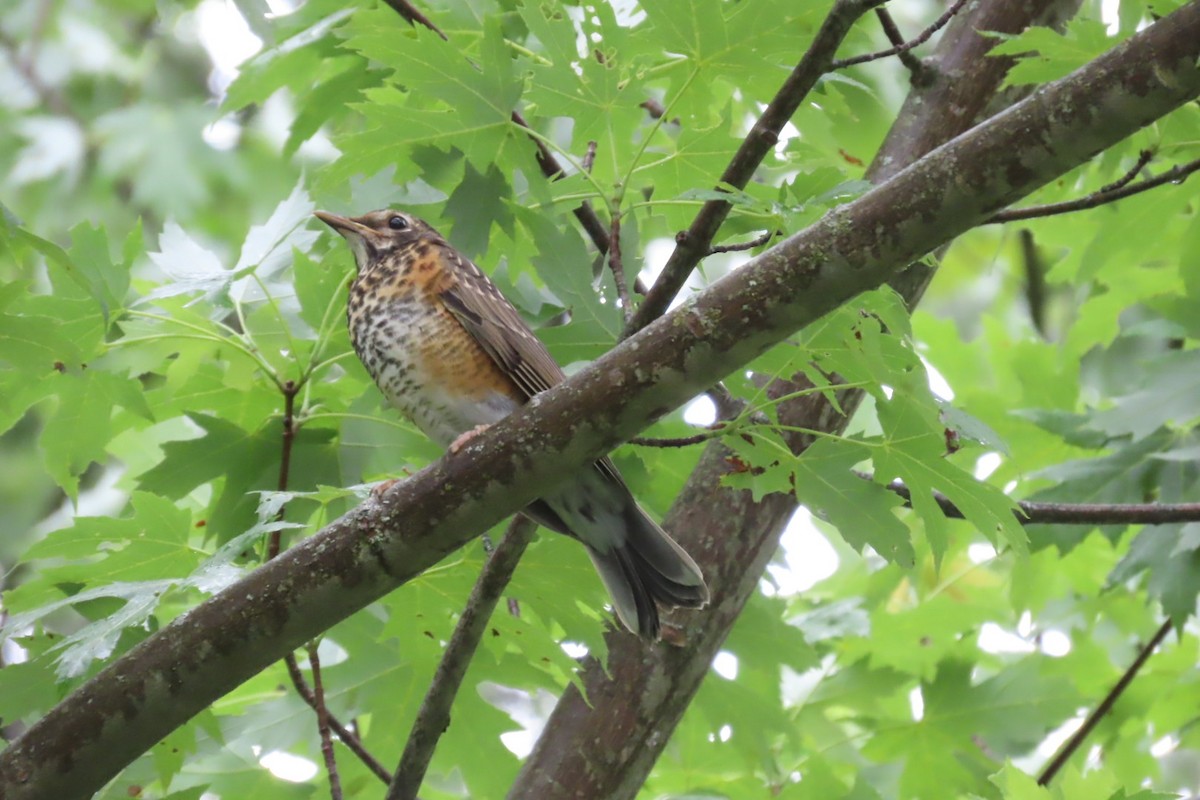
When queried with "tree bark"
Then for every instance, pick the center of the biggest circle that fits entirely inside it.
(159, 684)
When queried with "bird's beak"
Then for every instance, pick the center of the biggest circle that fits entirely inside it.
(361, 238)
(343, 225)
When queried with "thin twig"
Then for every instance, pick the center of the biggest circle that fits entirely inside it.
(1175, 174)
(1142, 160)
(757, 241)
(347, 736)
(916, 41)
(434, 715)
(1073, 744)
(679, 441)
(617, 267)
(335, 780)
(693, 244)
(1035, 513)
(290, 390)
(315, 701)
(546, 160)
(414, 17)
(554, 171)
(890, 29)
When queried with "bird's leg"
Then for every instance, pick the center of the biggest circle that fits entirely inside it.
(467, 436)
(377, 491)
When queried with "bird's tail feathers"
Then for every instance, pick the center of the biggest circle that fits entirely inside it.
(649, 566)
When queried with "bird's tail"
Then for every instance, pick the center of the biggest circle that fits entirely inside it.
(647, 567)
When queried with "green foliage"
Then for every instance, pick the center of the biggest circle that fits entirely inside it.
(162, 297)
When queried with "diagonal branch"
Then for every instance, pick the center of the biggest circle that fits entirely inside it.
(1072, 745)
(411, 13)
(1118, 190)
(911, 62)
(176, 672)
(694, 243)
(549, 165)
(904, 47)
(434, 716)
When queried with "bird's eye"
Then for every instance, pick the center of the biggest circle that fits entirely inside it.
(397, 223)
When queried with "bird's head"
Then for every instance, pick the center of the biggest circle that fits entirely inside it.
(377, 233)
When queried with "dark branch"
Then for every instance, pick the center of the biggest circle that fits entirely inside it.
(904, 47)
(1143, 159)
(1034, 513)
(1176, 174)
(179, 670)
(1072, 745)
(757, 241)
(546, 160)
(347, 736)
(618, 267)
(287, 439)
(680, 441)
(315, 700)
(694, 243)
(434, 715)
(894, 36)
(414, 16)
(323, 718)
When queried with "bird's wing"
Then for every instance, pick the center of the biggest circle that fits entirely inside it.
(488, 316)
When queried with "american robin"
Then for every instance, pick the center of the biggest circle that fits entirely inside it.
(453, 354)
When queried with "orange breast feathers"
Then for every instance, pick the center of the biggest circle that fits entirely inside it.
(455, 362)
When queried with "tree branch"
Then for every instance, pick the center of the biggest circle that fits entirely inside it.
(1073, 744)
(434, 715)
(721, 527)
(911, 62)
(1035, 513)
(315, 698)
(1118, 190)
(904, 47)
(694, 243)
(757, 241)
(176, 672)
(549, 165)
(414, 16)
(323, 720)
(618, 267)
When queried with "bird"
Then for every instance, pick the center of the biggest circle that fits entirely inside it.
(450, 352)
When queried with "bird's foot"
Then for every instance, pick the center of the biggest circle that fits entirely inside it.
(464, 438)
(379, 489)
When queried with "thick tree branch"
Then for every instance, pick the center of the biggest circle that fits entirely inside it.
(693, 244)
(961, 83)
(173, 674)
(434, 716)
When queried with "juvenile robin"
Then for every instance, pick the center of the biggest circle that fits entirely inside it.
(451, 353)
